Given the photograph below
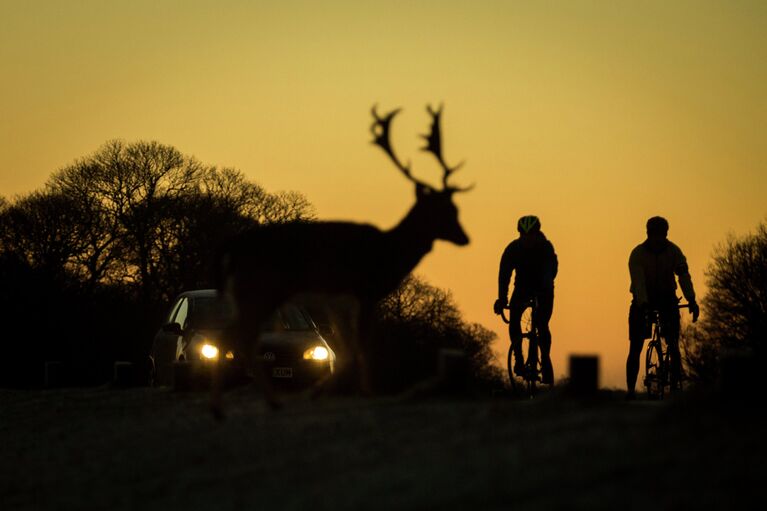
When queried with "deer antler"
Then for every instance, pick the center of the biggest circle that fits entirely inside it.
(380, 131)
(434, 146)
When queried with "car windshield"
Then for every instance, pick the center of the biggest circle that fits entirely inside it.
(209, 312)
(289, 317)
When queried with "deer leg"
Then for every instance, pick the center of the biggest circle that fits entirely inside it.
(357, 323)
(264, 380)
(216, 393)
(250, 337)
(228, 341)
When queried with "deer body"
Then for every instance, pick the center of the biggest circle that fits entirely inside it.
(263, 268)
(328, 257)
(320, 257)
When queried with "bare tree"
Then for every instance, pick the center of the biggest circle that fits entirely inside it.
(44, 229)
(284, 207)
(736, 302)
(230, 187)
(127, 180)
(416, 299)
(154, 217)
(735, 306)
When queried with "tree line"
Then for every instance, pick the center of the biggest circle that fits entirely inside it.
(89, 263)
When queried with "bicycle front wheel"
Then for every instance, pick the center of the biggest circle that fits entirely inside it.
(655, 377)
(533, 365)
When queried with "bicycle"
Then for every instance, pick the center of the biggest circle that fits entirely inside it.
(532, 373)
(658, 360)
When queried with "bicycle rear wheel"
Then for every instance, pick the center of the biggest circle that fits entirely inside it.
(655, 375)
(509, 367)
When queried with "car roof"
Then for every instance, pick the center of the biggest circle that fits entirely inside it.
(199, 293)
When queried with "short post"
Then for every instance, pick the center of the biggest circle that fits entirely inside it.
(54, 374)
(453, 368)
(584, 375)
(124, 374)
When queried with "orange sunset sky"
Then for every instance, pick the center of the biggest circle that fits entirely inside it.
(593, 115)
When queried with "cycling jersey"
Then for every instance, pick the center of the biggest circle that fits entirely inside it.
(652, 266)
(533, 259)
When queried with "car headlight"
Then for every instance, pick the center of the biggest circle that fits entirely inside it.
(316, 353)
(209, 352)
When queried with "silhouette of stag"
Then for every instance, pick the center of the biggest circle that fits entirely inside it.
(266, 266)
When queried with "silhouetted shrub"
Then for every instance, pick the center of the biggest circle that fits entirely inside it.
(413, 324)
(735, 307)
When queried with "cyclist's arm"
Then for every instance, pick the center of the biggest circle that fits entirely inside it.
(683, 274)
(508, 263)
(638, 283)
(554, 263)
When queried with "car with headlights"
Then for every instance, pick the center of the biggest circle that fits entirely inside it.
(291, 346)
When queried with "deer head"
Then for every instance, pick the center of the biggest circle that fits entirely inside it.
(435, 209)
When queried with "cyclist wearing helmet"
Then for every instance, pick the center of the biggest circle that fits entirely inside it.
(653, 265)
(533, 259)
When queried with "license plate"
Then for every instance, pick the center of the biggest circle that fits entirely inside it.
(282, 372)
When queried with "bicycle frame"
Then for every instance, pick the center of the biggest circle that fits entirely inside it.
(658, 359)
(532, 373)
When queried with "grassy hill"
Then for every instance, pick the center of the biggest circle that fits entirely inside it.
(149, 448)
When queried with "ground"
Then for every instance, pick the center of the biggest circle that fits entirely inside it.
(144, 448)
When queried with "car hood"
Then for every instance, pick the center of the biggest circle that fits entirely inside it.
(292, 338)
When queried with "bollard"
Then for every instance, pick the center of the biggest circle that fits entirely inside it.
(124, 374)
(584, 375)
(54, 374)
(453, 368)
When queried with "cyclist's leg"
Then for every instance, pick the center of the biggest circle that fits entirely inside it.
(541, 321)
(637, 332)
(516, 308)
(670, 329)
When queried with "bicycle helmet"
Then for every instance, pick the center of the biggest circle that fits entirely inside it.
(528, 224)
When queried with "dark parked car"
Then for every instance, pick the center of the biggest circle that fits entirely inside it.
(291, 346)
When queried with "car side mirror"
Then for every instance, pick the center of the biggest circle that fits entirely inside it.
(172, 328)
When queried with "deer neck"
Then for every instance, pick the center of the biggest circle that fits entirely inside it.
(411, 238)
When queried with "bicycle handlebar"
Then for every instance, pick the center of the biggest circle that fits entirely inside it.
(532, 302)
(506, 320)
(679, 306)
